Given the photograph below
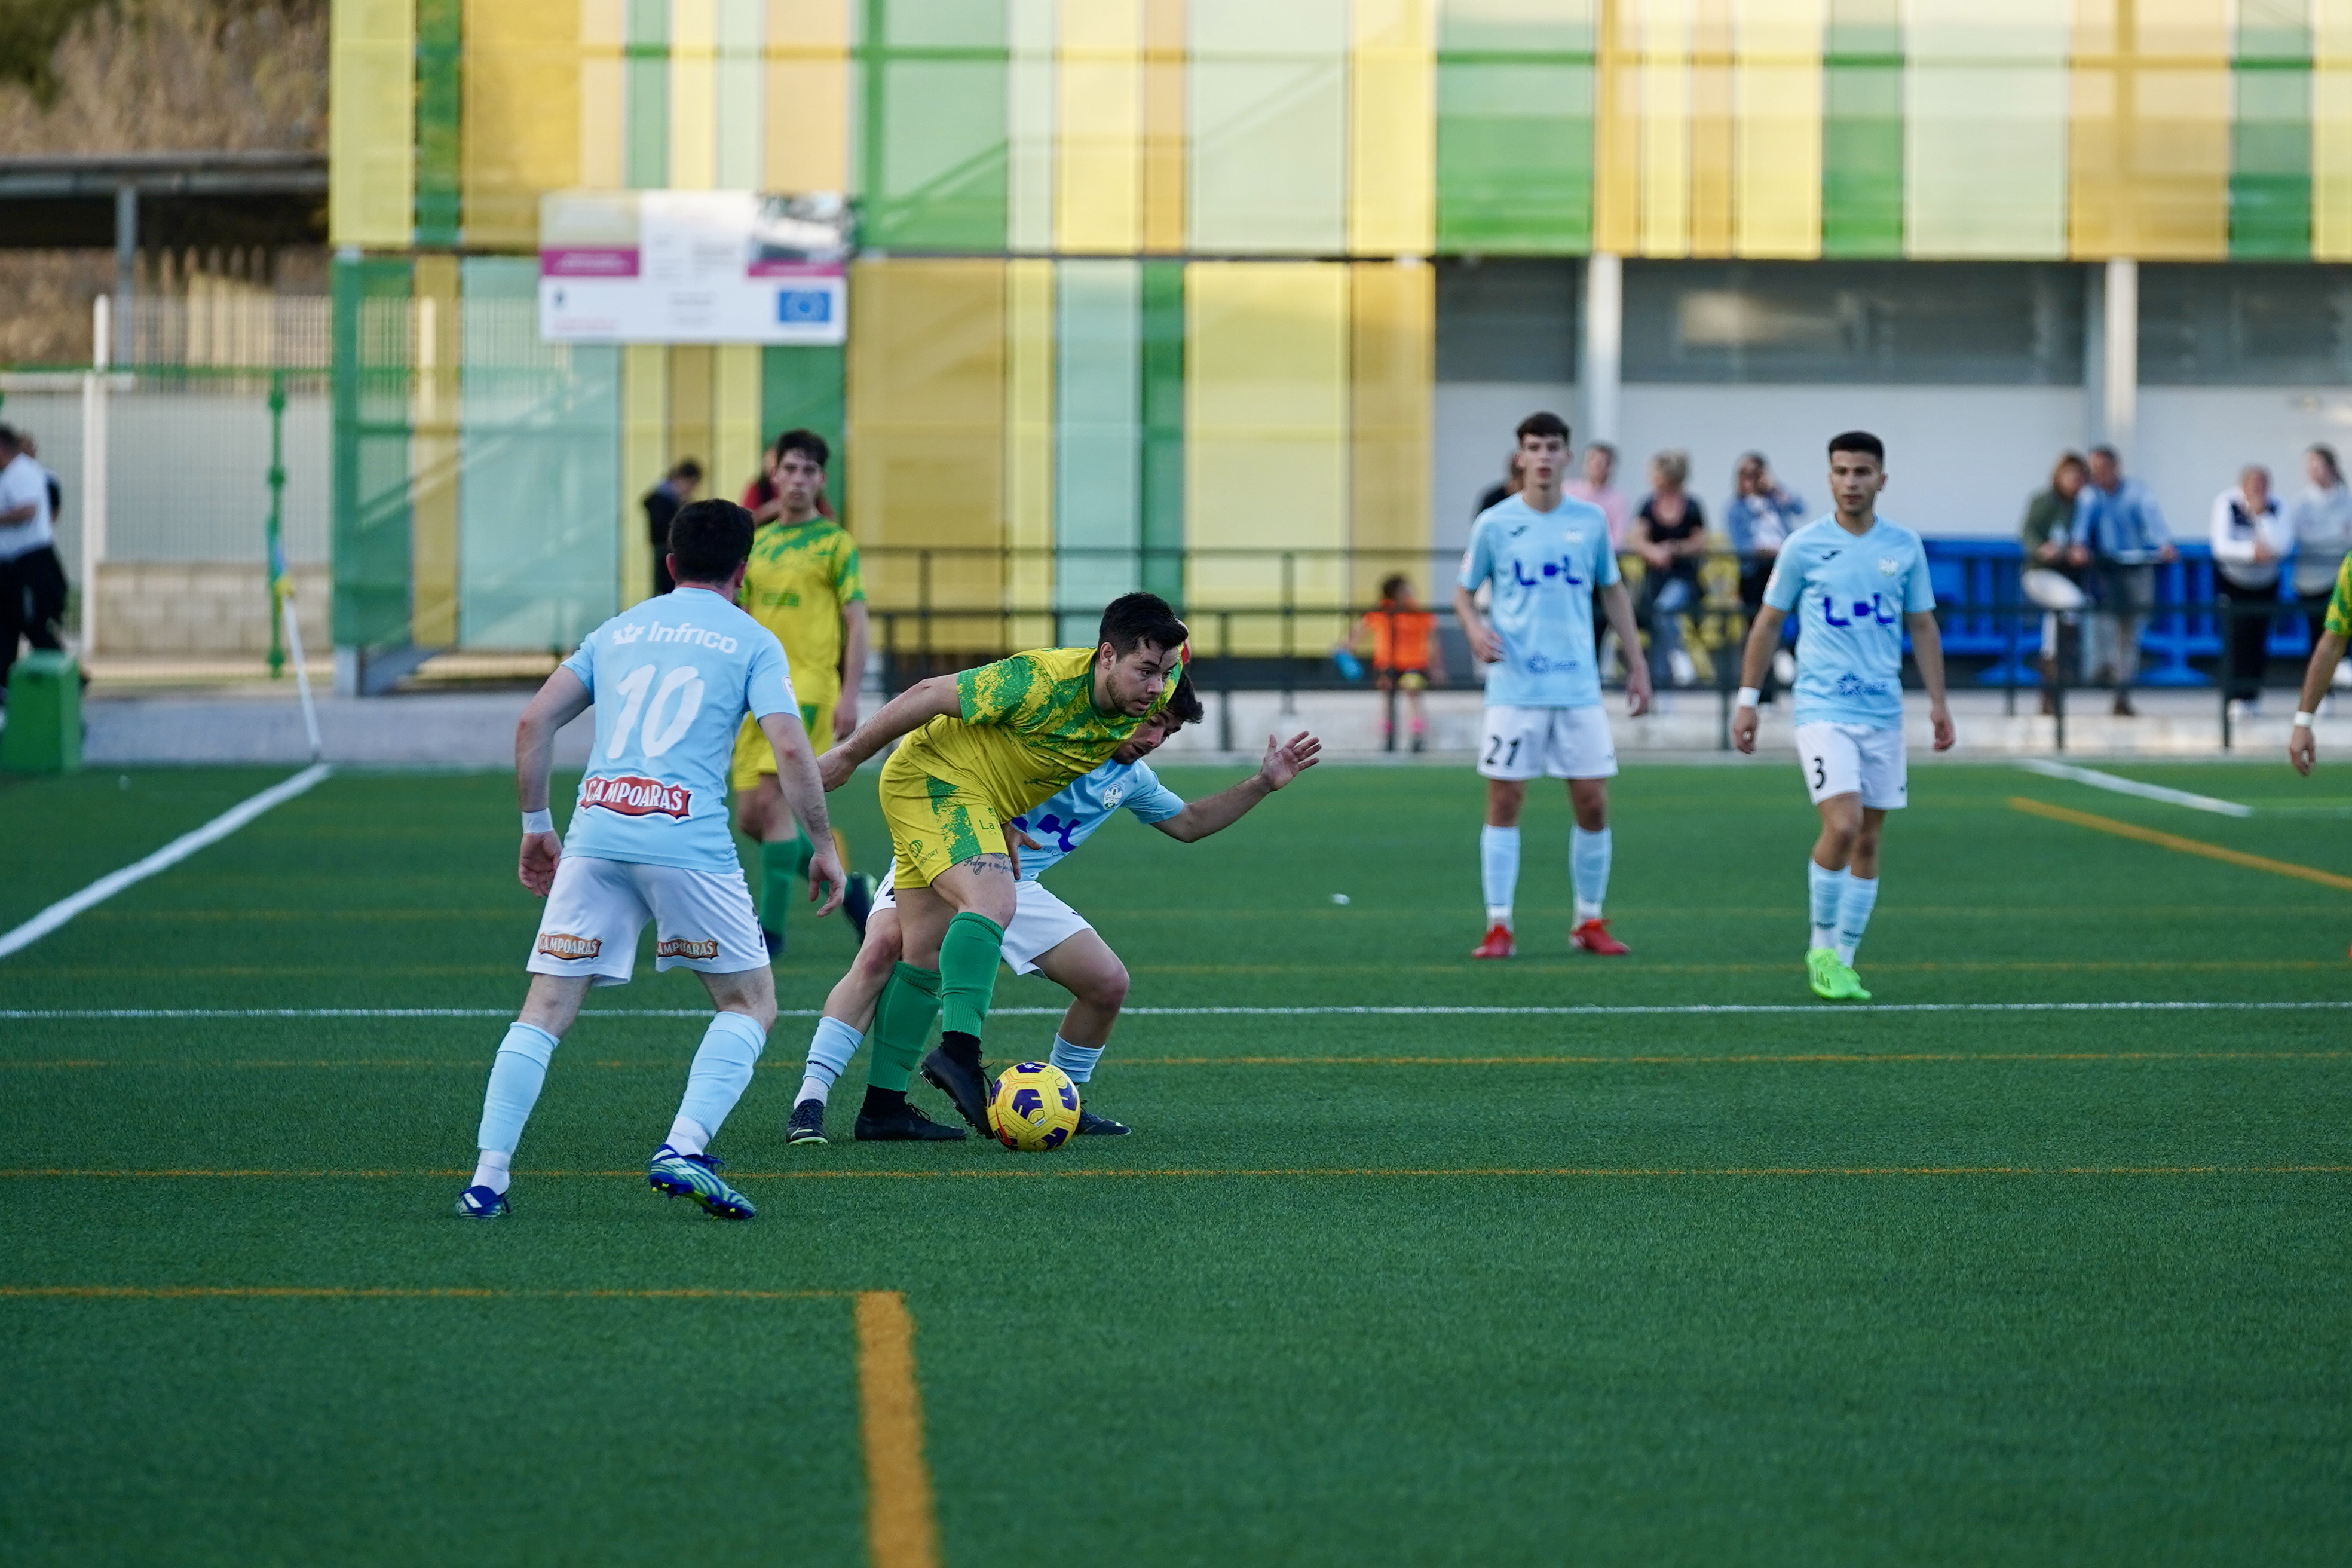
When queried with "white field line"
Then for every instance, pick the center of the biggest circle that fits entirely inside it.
(2121, 785)
(172, 854)
(63, 1013)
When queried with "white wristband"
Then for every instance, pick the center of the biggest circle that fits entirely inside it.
(1749, 697)
(2303, 720)
(539, 822)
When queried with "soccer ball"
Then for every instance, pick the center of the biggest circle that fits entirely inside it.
(1035, 1108)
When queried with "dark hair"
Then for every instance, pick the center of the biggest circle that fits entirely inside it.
(1133, 619)
(2109, 453)
(708, 540)
(1542, 422)
(687, 468)
(1184, 703)
(1859, 441)
(2068, 460)
(8, 435)
(1392, 585)
(807, 443)
(2326, 454)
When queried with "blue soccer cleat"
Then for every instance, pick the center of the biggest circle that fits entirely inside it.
(481, 1203)
(696, 1177)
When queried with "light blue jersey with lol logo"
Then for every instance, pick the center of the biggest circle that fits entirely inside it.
(1850, 592)
(1545, 566)
(1070, 819)
(671, 678)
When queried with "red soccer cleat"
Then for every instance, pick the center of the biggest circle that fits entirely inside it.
(1497, 943)
(1593, 936)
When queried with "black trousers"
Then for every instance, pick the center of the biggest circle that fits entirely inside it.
(32, 603)
(2247, 634)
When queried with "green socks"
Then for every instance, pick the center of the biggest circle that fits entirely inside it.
(968, 955)
(902, 1026)
(783, 869)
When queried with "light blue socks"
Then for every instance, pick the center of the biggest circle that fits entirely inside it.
(722, 1072)
(1498, 870)
(1588, 870)
(1827, 890)
(1078, 1061)
(516, 1078)
(1854, 914)
(828, 1059)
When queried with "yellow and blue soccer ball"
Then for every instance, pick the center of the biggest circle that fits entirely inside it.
(1035, 1108)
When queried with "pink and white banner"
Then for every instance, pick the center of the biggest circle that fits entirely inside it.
(692, 266)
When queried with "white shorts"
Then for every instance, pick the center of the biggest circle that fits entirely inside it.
(702, 920)
(1041, 922)
(1850, 759)
(1566, 743)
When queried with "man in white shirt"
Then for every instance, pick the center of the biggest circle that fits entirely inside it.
(32, 584)
(2250, 534)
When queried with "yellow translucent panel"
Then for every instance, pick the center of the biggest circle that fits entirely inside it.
(1777, 104)
(1711, 160)
(602, 121)
(645, 458)
(693, 94)
(1985, 140)
(1098, 197)
(1029, 442)
(735, 436)
(1655, 37)
(2331, 131)
(1392, 129)
(2150, 165)
(522, 83)
(433, 466)
(1265, 443)
(1164, 163)
(1269, 125)
(371, 123)
(1394, 340)
(805, 127)
(1617, 165)
(927, 434)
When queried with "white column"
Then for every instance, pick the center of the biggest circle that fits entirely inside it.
(2119, 390)
(93, 467)
(1604, 345)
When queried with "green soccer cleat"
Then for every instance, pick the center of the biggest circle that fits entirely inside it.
(1852, 985)
(696, 1177)
(1833, 979)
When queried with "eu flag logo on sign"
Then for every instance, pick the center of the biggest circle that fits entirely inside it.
(804, 307)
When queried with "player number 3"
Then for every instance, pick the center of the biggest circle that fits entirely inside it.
(665, 727)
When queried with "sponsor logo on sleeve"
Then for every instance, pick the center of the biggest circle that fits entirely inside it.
(686, 947)
(633, 797)
(564, 945)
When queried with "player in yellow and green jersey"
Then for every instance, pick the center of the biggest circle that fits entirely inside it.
(2301, 747)
(983, 747)
(801, 584)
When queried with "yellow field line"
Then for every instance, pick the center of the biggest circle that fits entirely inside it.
(1202, 1173)
(901, 1528)
(2175, 842)
(1812, 1058)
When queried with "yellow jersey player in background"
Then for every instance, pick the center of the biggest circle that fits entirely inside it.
(803, 584)
(984, 746)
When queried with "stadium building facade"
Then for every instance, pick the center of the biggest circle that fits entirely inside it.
(1145, 287)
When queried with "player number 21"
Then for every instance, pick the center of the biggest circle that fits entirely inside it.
(664, 725)
(1495, 744)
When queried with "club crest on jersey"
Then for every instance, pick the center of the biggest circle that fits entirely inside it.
(633, 797)
(1888, 565)
(686, 947)
(562, 944)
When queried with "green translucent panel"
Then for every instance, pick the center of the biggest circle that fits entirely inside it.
(1514, 152)
(645, 137)
(802, 388)
(369, 484)
(1163, 428)
(935, 139)
(539, 479)
(440, 47)
(1861, 157)
(2270, 136)
(1097, 402)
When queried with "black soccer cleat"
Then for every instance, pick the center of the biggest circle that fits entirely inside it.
(1093, 1126)
(807, 1124)
(857, 901)
(954, 1069)
(901, 1123)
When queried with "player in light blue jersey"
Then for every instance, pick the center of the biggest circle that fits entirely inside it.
(1544, 556)
(1046, 935)
(671, 681)
(1856, 583)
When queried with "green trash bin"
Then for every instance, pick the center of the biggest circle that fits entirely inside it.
(44, 733)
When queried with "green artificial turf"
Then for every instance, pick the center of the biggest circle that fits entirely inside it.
(1811, 1285)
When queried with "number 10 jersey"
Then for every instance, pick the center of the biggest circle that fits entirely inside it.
(671, 678)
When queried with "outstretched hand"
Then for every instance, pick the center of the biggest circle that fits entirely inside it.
(1285, 760)
(541, 851)
(827, 878)
(2302, 749)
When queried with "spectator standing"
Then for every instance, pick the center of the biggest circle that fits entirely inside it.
(1513, 481)
(1595, 484)
(2322, 516)
(1669, 533)
(2053, 577)
(56, 490)
(1402, 634)
(662, 503)
(1762, 513)
(2119, 524)
(2250, 534)
(32, 582)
